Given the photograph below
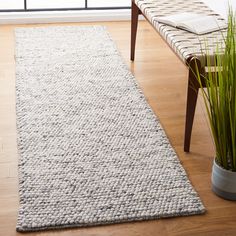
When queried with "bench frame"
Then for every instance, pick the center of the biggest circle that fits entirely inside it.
(194, 67)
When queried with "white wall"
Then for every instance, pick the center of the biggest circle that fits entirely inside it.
(220, 6)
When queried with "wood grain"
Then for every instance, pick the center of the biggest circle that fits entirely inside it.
(163, 79)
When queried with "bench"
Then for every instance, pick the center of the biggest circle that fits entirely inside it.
(189, 47)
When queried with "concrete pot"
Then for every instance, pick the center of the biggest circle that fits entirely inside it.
(223, 182)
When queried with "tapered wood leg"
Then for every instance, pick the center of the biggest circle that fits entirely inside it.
(192, 94)
(134, 24)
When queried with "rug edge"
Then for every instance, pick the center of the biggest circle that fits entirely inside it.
(131, 220)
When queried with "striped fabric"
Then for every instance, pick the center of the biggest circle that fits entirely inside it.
(184, 43)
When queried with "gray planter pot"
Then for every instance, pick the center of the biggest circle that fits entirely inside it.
(223, 182)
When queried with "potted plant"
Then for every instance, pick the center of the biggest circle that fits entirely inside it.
(219, 93)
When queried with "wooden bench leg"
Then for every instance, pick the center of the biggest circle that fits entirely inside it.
(134, 24)
(192, 94)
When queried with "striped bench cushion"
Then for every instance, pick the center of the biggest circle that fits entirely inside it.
(184, 43)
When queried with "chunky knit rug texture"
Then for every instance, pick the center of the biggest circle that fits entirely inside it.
(91, 151)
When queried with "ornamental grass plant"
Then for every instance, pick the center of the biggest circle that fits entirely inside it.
(219, 95)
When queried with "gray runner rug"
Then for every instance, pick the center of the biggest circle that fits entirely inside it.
(91, 151)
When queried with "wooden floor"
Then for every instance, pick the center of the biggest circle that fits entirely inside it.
(163, 79)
